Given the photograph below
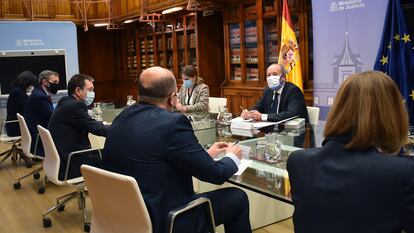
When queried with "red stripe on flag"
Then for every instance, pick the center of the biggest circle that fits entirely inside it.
(285, 13)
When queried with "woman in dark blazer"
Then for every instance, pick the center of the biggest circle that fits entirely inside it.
(356, 182)
(17, 100)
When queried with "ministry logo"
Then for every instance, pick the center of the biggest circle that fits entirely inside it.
(333, 7)
(19, 42)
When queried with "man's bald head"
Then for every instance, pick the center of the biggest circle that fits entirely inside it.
(156, 84)
(276, 69)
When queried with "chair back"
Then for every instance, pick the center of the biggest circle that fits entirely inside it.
(117, 202)
(3, 135)
(215, 102)
(51, 163)
(313, 114)
(26, 138)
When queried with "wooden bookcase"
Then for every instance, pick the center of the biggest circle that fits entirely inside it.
(187, 38)
(252, 40)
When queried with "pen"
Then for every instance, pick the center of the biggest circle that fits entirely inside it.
(241, 108)
(235, 143)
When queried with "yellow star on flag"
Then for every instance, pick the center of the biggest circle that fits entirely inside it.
(384, 60)
(412, 94)
(406, 38)
(389, 46)
(397, 37)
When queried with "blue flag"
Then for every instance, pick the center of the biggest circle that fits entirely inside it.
(396, 54)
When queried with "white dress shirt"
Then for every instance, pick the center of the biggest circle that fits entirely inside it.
(264, 116)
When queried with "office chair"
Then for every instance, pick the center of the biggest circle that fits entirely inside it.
(127, 213)
(14, 152)
(26, 140)
(51, 165)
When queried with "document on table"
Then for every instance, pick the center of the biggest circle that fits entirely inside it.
(239, 122)
(244, 164)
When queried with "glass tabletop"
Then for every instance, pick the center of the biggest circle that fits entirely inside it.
(267, 178)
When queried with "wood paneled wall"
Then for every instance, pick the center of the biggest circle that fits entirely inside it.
(99, 57)
(72, 10)
(210, 48)
(54, 10)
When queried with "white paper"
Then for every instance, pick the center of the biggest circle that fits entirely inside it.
(239, 119)
(245, 151)
(244, 164)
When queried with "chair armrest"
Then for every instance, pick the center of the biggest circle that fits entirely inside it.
(77, 153)
(195, 203)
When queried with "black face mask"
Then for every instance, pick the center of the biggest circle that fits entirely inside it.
(53, 88)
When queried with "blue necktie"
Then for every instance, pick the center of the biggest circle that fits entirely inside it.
(273, 108)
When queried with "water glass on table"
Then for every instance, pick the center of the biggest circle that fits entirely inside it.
(260, 149)
(409, 145)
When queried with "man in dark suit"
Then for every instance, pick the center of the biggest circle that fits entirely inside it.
(70, 125)
(281, 99)
(157, 147)
(39, 107)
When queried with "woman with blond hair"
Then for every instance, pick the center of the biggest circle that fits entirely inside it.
(356, 182)
(193, 95)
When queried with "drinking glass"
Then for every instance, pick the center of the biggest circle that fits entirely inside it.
(273, 151)
(409, 145)
(227, 116)
(260, 149)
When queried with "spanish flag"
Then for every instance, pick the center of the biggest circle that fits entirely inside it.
(289, 51)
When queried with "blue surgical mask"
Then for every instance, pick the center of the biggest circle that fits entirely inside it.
(273, 81)
(90, 96)
(188, 83)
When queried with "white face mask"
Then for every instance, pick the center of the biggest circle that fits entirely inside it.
(29, 90)
(90, 96)
(273, 81)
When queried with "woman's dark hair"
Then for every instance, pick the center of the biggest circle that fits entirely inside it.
(189, 71)
(25, 79)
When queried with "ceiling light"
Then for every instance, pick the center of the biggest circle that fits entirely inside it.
(101, 24)
(171, 10)
(128, 21)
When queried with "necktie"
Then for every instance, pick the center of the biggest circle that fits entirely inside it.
(273, 108)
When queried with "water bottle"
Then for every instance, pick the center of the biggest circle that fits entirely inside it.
(130, 101)
(97, 112)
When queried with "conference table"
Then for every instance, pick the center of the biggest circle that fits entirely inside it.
(267, 178)
(266, 184)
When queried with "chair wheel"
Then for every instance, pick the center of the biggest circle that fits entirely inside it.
(47, 222)
(87, 227)
(36, 176)
(17, 185)
(13, 158)
(61, 208)
(41, 190)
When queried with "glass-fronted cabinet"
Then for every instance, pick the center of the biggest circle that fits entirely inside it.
(235, 61)
(250, 51)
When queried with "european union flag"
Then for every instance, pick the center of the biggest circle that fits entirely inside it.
(396, 54)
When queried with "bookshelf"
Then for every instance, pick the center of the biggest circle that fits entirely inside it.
(186, 38)
(252, 41)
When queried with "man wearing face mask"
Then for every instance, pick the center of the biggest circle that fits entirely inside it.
(70, 125)
(281, 99)
(157, 147)
(39, 106)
